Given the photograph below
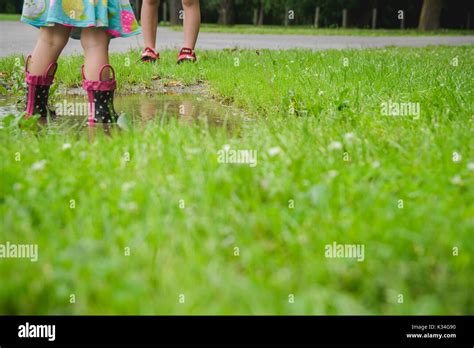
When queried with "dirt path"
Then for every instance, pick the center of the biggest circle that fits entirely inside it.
(19, 38)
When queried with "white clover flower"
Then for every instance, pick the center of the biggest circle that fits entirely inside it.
(349, 136)
(335, 145)
(274, 151)
(470, 166)
(39, 165)
(456, 180)
(66, 146)
(375, 164)
(457, 157)
(130, 206)
(126, 186)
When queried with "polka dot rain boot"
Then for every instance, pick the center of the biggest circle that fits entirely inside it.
(101, 97)
(38, 91)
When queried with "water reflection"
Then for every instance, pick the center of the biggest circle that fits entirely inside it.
(137, 111)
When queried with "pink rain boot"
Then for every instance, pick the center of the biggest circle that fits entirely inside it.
(101, 97)
(38, 90)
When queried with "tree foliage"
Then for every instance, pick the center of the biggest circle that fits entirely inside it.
(452, 14)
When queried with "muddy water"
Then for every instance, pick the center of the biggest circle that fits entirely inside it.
(140, 110)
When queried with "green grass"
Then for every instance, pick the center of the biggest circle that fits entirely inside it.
(10, 17)
(309, 30)
(311, 107)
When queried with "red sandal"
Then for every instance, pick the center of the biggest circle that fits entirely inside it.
(186, 55)
(149, 55)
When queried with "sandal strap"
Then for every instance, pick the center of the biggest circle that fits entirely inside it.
(186, 50)
(150, 52)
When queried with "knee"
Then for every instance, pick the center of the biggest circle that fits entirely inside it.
(190, 3)
(87, 42)
(94, 39)
(54, 41)
(151, 2)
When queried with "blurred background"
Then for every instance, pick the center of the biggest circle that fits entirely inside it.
(421, 14)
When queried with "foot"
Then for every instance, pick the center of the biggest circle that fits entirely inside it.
(149, 55)
(186, 55)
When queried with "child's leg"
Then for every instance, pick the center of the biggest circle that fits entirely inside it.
(41, 67)
(149, 21)
(95, 42)
(50, 43)
(192, 22)
(98, 83)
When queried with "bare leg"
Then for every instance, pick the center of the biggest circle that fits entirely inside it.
(192, 22)
(51, 42)
(95, 42)
(149, 21)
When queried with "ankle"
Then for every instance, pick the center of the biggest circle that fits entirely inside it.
(46, 73)
(106, 73)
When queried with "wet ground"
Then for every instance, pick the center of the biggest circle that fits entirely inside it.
(138, 110)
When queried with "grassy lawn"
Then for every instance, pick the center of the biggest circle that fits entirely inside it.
(331, 168)
(308, 30)
(9, 17)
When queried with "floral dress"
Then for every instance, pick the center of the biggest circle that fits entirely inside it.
(115, 16)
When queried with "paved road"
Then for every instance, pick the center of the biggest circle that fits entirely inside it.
(20, 38)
